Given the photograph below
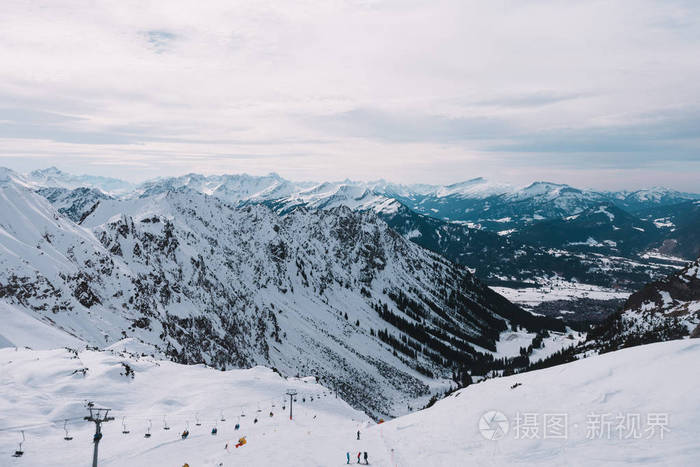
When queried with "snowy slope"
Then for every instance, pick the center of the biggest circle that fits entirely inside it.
(643, 380)
(42, 388)
(21, 329)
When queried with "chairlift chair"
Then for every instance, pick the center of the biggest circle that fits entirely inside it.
(65, 428)
(19, 452)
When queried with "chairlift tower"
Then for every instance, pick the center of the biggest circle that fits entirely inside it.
(291, 393)
(98, 417)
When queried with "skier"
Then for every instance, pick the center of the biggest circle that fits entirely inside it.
(366, 462)
(358, 435)
(348, 456)
(255, 421)
(359, 454)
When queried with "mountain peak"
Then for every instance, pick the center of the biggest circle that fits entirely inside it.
(53, 170)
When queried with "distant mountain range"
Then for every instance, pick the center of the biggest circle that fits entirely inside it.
(506, 234)
(482, 199)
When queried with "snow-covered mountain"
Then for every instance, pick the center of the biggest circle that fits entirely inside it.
(509, 236)
(499, 207)
(630, 407)
(662, 310)
(491, 205)
(75, 203)
(680, 224)
(603, 226)
(55, 178)
(231, 188)
(334, 292)
(656, 196)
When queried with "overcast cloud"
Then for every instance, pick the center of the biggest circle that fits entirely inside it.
(601, 94)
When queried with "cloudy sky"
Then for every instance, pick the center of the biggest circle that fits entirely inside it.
(601, 94)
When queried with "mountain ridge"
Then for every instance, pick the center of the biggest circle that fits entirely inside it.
(333, 292)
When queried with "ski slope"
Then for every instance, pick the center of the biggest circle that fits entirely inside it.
(39, 386)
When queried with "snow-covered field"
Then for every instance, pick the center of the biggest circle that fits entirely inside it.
(650, 387)
(558, 289)
(510, 342)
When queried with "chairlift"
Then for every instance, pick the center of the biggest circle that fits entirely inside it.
(65, 428)
(124, 430)
(186, 433)
(148, 433)
(223, 419)
(196, 418)
(19, 452)
(165, 424)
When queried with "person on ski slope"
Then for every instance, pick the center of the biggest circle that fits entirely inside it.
(348, 456)
(359, 454)
(366, 462)
(358, 435)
